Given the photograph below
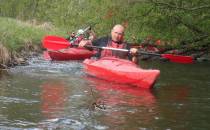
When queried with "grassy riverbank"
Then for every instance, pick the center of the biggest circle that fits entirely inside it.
(17, 37)
(16, 34)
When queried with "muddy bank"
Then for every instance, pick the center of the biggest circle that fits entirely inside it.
(10, 58)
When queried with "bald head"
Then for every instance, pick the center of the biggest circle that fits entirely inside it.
(117, 33)
(118, 28)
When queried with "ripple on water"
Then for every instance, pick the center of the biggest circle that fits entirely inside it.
(39, 67)
(12, 125)
(16, 100)
(62, 123)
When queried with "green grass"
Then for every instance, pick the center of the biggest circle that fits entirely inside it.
(143, 18)
(15, 34)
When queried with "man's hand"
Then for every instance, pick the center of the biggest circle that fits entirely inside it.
(133, 51)
(84, 43)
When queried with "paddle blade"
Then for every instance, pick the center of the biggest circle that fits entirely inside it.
(178, 58)
(55, 42)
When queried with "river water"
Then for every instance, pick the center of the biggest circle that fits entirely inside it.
(60, 96)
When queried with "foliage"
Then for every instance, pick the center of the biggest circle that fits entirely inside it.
(185, 22)
(15, 34)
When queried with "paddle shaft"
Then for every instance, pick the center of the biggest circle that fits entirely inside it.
(170, 57)
(124, 50)
(57, 43)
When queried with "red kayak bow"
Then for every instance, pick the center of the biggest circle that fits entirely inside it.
(56, 43)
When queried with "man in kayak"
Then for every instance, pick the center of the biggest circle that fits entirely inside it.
(115, 41)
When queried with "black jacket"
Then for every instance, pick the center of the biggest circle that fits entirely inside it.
(103, 42)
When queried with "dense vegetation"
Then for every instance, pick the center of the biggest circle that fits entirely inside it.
(18, 38)
(185, 22)
(15, 34)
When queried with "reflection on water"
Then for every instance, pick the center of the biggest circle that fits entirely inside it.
(53, 97)
(142, 96)
(123, 102)
(59, 95)
(54, 102)
(174, 101)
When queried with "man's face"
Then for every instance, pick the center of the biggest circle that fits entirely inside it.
(117, 34)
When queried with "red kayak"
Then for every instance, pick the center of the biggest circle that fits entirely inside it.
(70, 54)
(121, 71)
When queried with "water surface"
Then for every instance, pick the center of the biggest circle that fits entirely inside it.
(59, 95)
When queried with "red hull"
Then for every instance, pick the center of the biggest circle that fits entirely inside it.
(121, 71)
(70, 54)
